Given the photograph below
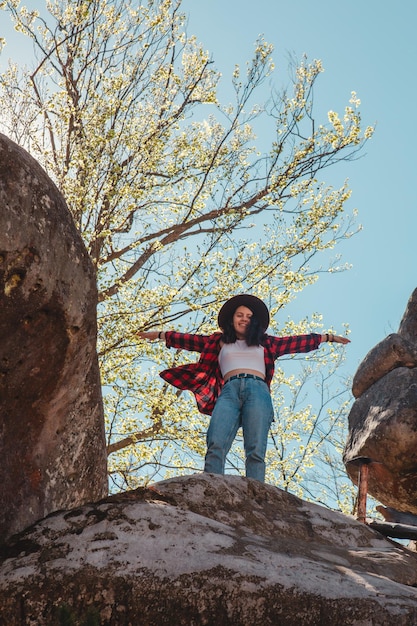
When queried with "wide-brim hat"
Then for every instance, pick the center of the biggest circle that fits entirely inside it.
(253, 303)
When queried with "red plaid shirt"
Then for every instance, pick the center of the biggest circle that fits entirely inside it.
(204, 378)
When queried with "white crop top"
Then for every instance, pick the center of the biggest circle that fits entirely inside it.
(234, 356)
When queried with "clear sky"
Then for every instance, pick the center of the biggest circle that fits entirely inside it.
(369, 47)
(365, 46)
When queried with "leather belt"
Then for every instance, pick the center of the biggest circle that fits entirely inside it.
(244, 375)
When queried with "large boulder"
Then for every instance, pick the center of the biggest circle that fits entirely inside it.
(383, 418)
(52, 446)
(383, 427)
(206, 550)
(392, 352)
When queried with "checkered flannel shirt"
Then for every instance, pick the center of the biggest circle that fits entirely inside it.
(204, 378)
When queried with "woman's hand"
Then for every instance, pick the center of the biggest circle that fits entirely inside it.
(334, 338)
(338, 339)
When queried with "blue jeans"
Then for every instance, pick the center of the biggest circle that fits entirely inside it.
(243, 402)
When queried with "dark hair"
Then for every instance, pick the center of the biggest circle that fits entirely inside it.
(254, 334)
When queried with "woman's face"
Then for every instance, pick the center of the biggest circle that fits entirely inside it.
(241, 321)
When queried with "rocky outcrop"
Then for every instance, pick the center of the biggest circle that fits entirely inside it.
(52, 446)
(392, 515)
(383, 419)
(389, 354)
(205, 549)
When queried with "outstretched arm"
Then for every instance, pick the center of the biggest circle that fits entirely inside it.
(334, 338)
(151, 335)
(174, 339)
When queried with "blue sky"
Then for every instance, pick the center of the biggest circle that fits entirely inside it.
(369, 47)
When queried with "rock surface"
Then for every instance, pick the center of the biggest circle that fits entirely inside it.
(383, 419)
(204, 549)
(390, 353)
(52, 446)
(392, 515)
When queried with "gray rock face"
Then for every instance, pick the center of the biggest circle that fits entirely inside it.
(392, 515)
(52, 445)
(383, 419)
(205, 549)
(392, 352)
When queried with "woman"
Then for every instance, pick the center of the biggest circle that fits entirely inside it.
(231, 381)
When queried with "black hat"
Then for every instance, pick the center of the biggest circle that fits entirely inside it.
(253, 303)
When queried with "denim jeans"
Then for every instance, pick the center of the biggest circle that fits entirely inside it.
(243, 402)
